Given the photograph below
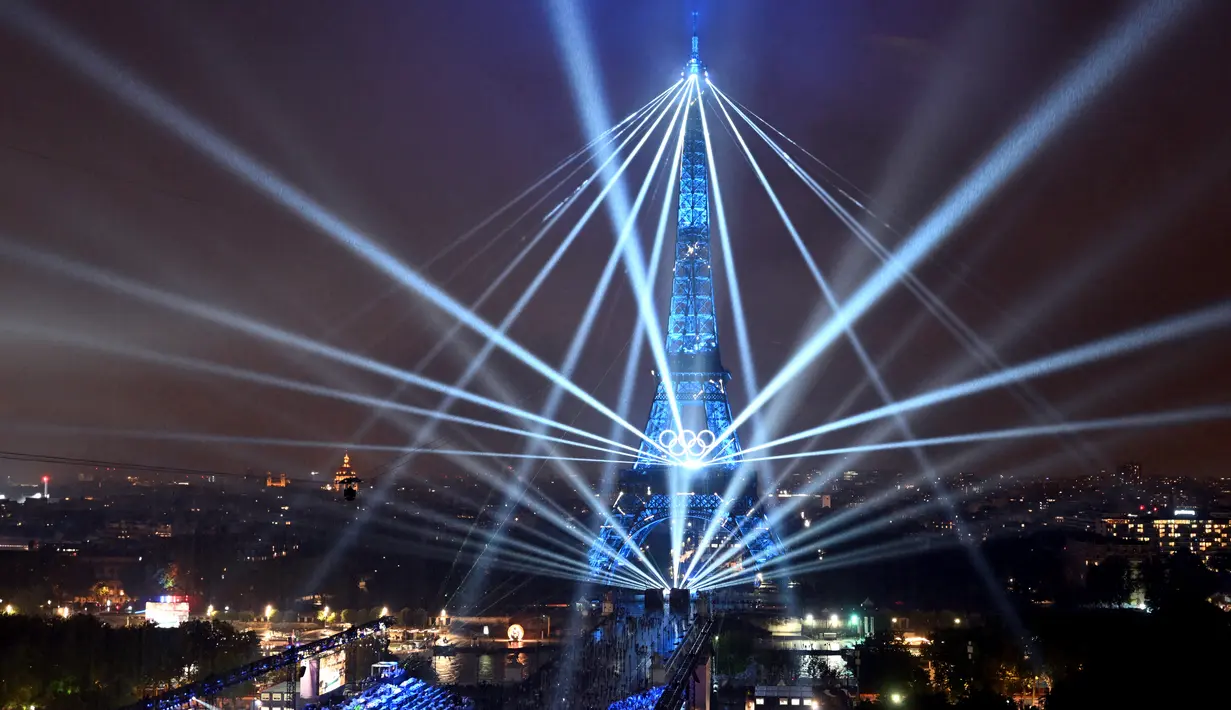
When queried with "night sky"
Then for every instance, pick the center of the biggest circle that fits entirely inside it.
(413, 121)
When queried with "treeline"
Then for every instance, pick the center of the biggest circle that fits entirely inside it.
(1075, 659)
(1088, 650)
(80, 663)
(1079, 656)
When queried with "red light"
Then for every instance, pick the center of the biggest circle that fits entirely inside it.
(46, 479)
(1143, 507)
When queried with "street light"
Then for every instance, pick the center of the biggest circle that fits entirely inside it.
(895, 698)
(810, 619)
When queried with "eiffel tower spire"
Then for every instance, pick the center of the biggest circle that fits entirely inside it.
(696, 54)
(697, 375)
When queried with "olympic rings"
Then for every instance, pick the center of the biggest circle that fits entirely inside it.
(687, 442)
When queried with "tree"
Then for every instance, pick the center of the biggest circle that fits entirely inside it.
(733, 651)
(886, 666)
(818, 669)
(971, 662)
(776, 665)
(81, 663)
(1109, 582)
(1178, 583)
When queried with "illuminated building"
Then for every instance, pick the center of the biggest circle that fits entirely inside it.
(279, 482)
(346, 473)
(1129, 473)
(168, 612)
(1185, 529)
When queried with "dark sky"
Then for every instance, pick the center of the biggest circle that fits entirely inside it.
(413, 121)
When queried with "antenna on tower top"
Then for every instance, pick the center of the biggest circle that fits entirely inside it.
(695, 50)
(694, 67)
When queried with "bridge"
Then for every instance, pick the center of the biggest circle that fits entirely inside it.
(689, 672)
(182, 698)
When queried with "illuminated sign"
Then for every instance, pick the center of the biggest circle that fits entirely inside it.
(1185, 512)
(686, 446)
(167, 614)
(332, 671)
(516, 633)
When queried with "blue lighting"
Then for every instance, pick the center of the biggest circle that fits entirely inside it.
(696, 383)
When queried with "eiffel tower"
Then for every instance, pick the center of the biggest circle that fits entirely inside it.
(651, 491)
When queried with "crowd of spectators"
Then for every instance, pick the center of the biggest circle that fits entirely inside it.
(402, 693)
(640, 701)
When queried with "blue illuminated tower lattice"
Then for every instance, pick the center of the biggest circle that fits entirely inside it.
(699, 382)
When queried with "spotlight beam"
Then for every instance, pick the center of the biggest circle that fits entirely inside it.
(1182, 416)
(299, 443)
(476, 360)
(875, 553)
(197, 365)
(624, 232)
(125, 85)
(980, 350)
(584, 331)
(958, 462)
(739, 480)
(532, 289)
(581, 65)
(529, 552)
(175, 302)
(563, 520)
(874, 376)
(889, 497)
(1168, 330)
(596, 299)
(1111, 57)
(588, 148)
(728, 262)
